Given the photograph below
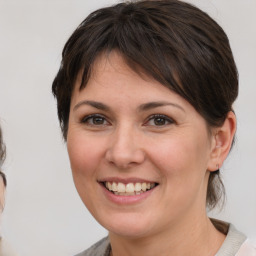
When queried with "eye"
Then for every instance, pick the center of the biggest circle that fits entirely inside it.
(159, 120)
(95, 120)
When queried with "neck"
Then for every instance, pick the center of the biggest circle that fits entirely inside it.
(199, 236)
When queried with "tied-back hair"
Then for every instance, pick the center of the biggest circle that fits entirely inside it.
(171, 41)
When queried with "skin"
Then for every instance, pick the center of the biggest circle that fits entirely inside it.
(2, 192)
(128, 142)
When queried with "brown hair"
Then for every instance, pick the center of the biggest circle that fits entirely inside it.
(2, 157)
(174, 42)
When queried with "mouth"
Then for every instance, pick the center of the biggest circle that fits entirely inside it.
(129, 189)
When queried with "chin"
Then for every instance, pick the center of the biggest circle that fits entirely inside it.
(127, 225)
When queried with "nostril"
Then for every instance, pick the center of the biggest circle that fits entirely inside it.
(125, 158)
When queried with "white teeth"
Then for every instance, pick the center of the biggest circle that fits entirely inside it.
(120, 187)
(130, 188)
(109, 186)
(137, 187)
(114, 187)
(144, 186)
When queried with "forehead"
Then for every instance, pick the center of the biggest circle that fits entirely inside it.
(115, 84)
(109, 62)
(112, 72)
(113, 68)
(115, 62)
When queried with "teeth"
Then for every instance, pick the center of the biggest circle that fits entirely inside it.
(120, 187)
(144, 186)
(137, 187)
(109, 186)
(130, 188)
(114, 187)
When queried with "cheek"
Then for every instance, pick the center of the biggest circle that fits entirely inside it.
(84, 154)
(2, 191)
(182, 159)
(182, 164)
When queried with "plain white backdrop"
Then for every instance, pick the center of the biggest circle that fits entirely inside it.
(44, 214)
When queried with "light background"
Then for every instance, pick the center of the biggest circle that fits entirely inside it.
(43, 214)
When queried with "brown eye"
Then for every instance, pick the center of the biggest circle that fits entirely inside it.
(159, 120)
(95, 120)
(98, 120)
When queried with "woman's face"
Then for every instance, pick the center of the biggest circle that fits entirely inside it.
(129, 134)
(2, 192)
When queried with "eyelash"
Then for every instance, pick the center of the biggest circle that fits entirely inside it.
(90, 120)
(87, 119)
(167, 120)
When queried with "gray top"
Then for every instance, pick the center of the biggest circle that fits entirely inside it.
(101, 248)
(230, 247)
(232, 243)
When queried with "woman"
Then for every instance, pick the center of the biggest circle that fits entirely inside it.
(145, 93)
(3, 181)
(5, 249)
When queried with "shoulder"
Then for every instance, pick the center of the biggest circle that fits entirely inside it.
(232, 243)
(247, 249)
(5, 248)
(236, 244)
(101, 248)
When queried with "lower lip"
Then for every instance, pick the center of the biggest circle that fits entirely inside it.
(126, 200)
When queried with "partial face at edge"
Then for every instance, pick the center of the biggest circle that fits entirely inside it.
(2, 194)
(132, 130)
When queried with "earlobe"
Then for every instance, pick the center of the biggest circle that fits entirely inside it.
(222, 142)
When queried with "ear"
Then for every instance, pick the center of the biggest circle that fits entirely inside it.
(222, 139)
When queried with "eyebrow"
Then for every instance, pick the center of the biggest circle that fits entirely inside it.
(156, 104)
(94, 104)
(143, 107)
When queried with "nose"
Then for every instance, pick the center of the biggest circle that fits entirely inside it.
(125, 149)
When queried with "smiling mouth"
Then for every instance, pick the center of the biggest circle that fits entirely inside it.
(129, 189)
